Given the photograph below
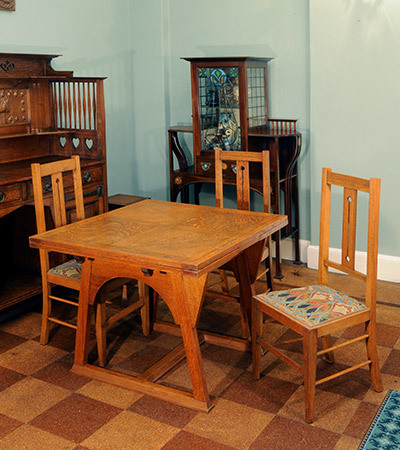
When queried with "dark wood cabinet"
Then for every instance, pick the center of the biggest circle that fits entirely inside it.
(45, 115)
(230, 110)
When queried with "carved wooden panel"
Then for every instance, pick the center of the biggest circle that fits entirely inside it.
(8, 5)
(13, 106)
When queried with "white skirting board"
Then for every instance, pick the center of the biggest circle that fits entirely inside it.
(388, 266)
(287, 249)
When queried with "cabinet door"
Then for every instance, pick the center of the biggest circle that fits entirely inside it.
(219, 107)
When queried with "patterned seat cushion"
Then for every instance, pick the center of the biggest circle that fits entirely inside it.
(70, 269)
(312, 305)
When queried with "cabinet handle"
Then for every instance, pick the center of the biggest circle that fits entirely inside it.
(47, 187)
(87, 177)
(2, 197)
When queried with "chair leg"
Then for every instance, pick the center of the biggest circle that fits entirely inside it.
(372, 353)
(101, 332)
(310, 369)
(224, 281)
(46, 312)
(243, 321)
(256, 331)
(145, 310)
(326, 343)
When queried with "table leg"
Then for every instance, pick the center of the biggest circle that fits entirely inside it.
(84, 316)
(187, 295)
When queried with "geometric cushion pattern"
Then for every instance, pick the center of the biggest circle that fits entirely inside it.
(70, 269)
(312, 305)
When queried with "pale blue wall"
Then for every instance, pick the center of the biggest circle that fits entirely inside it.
(94, 37)
(346, 93)
(355, 98)
(265, 28)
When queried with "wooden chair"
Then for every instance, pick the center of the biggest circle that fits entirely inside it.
(242, 161)
(68, 273)
(318, 311)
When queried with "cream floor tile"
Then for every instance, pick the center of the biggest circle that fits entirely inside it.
(230, 423)
(129, 430)
(107, 393)
(388, 314)
(218, 376)
(29, 397)
(332, 412)
(389, 382)
(121, 351)
(27, 326)
(356, 353)
(274, 367)
(29, 357)
(347, 443)
(29, 438)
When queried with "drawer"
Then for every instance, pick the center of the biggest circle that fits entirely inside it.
(90, 175)
(11, 193)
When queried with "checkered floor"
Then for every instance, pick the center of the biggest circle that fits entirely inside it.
(43, 405)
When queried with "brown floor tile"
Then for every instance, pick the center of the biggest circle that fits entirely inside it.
(227, 356)
(131, 431)
(31, 438)
(268, 393)
(392, 363)
(9, 340)
(354, 384)
(361, 420)
(388, 315)
(119, 349)
(7, 425)
(59, 373)
(62, 337)
(166, 412)
(143, 359)
(230, 424)
(276, 368)
(386, 335)
(167, 341)
(185, 440)
(282, 433)
(26, 326)
(75, 418)
(8, 377)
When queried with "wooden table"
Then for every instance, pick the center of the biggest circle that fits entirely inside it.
(172, 247)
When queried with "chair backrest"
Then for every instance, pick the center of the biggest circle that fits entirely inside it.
(242, 161)
(56, 170)
(351, 186)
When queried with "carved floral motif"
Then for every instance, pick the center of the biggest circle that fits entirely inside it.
(8, 5)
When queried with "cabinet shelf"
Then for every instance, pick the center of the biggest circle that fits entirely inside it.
(36, 133)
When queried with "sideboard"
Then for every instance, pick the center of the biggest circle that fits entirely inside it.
(45, 115)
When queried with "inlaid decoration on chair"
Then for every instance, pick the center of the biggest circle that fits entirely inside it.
(319, 311)
(68, 274)
(241, 164)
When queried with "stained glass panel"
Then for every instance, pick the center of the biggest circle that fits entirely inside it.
(219, 107)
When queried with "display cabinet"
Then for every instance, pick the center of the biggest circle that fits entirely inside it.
(230, 110)
(45, 115)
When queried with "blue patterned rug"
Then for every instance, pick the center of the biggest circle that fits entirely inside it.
(384, 432)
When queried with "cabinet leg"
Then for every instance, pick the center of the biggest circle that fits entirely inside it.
(278, 271)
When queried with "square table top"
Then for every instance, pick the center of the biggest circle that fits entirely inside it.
(166, 234)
